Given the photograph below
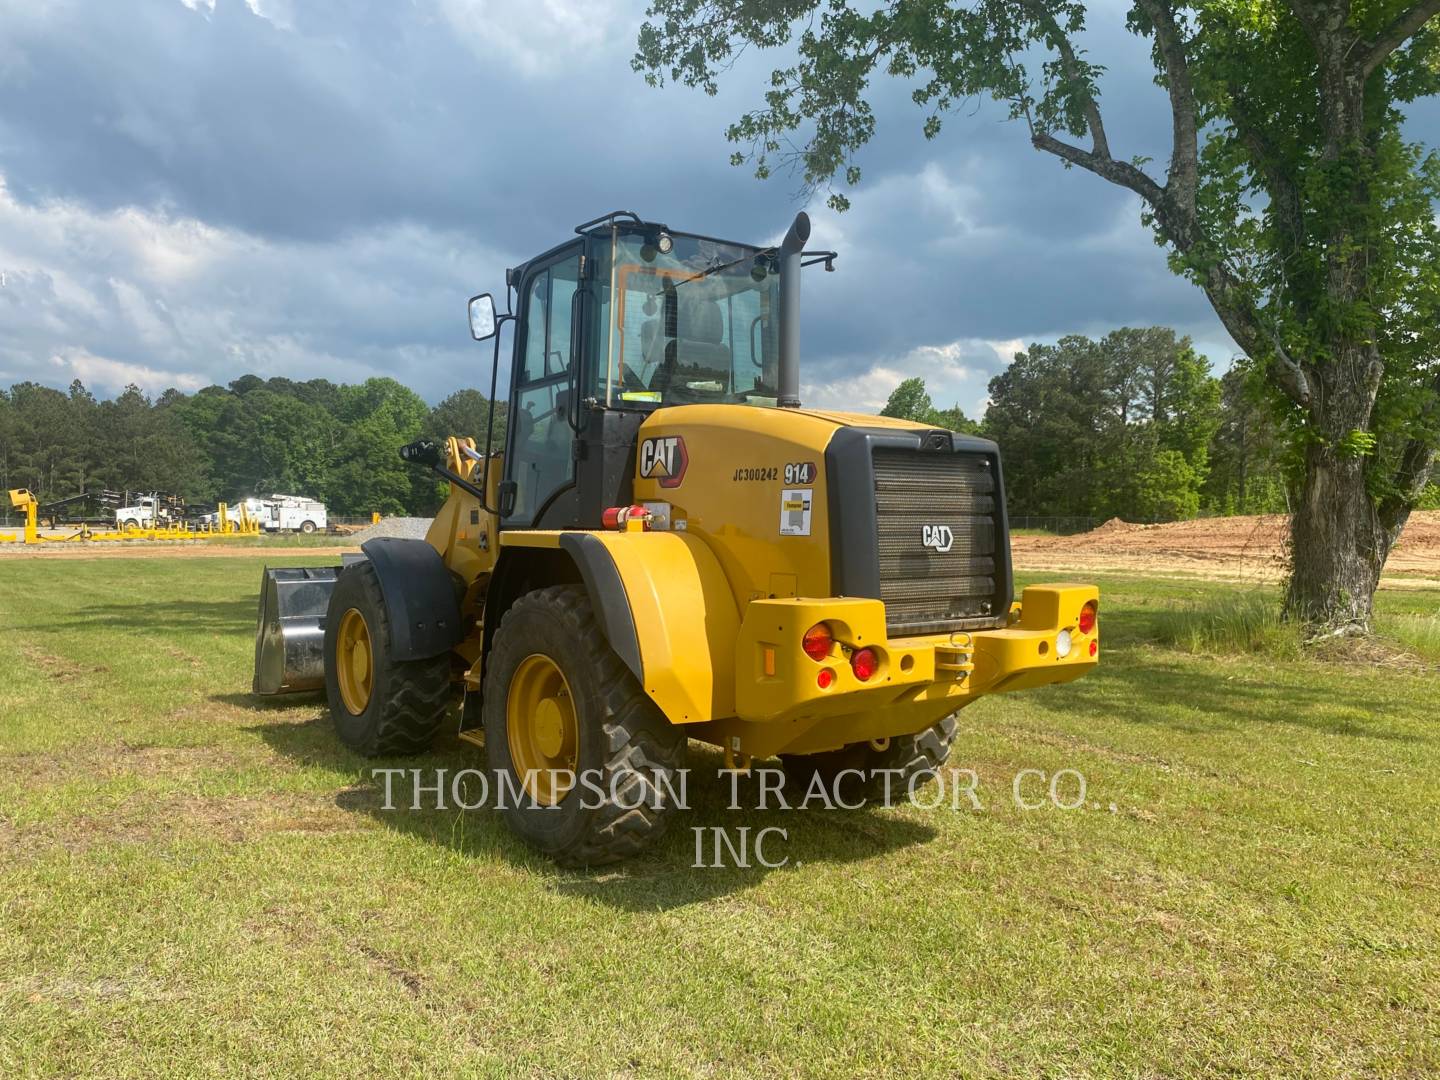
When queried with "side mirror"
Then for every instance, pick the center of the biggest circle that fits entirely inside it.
(482, 316)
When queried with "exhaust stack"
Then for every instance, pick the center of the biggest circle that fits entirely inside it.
(789, 370)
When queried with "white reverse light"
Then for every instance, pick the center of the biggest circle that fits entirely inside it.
(1062, 644)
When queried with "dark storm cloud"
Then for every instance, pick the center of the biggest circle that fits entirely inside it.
(313, 188)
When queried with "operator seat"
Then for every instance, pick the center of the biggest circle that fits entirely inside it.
(698, 346)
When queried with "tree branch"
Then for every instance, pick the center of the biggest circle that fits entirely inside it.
(1417, 461)
(1401, 28)
(1184, 179)
(1224, 292)
(1174, 205)
(1102, 165)
(1100, 145)
(1245, 325)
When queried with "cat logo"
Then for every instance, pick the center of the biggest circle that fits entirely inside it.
(664, 459)
(938, 537)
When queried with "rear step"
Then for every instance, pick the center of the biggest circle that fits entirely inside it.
(290, 633)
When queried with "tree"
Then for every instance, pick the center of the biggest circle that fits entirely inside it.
(50, 458)
(1250, 469)
(1119, 427)
(379, 416)
(911, 401)
(1292, 198)
(1166, 488)
(1056, 444)
(467, 413)
(139, 447)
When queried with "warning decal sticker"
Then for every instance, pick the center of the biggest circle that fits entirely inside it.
(795, 511)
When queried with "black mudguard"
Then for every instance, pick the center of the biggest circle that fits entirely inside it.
(420, 598)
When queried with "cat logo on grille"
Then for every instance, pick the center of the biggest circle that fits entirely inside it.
(937, 537)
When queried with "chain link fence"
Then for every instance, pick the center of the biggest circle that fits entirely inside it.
(1049, 523)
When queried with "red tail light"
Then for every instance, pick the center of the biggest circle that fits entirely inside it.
(864, 663)
(818, 641)
(1087, 617)
(825, 678)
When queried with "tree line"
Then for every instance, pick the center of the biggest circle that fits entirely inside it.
(1134, 426)
(334, 442)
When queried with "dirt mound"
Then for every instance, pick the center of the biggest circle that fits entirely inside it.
(1234, 546)
(1114, 525)
(405, 528)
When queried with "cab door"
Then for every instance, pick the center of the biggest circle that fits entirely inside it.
(540, 461)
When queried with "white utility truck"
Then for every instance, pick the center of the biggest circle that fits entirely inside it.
(289, 513)
(150, 512)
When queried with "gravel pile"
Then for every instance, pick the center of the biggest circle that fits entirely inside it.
(403, 527)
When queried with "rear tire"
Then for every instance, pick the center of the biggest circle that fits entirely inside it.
(913, 756)
(614, 735)
(307, 527)
(395, 706)
(130, 525)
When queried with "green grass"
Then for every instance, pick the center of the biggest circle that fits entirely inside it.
(1417, 632)
(281, 540)
(1229, 622)
(199, 884)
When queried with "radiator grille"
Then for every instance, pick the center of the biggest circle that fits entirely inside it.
(925, 589)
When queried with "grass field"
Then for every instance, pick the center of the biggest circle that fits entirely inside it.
(196, 884)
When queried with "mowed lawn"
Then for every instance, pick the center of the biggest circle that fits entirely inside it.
(194, 883)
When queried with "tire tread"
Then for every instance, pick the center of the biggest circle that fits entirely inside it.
(635, 735)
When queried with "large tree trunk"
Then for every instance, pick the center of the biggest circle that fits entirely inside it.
(1338, 541)
(1338, 546)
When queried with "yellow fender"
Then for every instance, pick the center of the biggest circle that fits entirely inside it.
(667, 610)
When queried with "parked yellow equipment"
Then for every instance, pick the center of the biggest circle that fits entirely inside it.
(21, 499)
(670, 548)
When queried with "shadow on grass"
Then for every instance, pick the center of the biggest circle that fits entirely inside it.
(162, 617)
(1190, 694)
(272, 702)
(664, 877)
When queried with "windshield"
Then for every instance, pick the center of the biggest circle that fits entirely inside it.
(695, 324)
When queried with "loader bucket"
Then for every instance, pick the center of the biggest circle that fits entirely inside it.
(290, 634)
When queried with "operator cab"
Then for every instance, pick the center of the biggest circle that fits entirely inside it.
(627, 317)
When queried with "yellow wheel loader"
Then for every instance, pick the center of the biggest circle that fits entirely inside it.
(669, 547)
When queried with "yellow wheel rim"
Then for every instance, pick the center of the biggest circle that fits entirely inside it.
(354, 662)
(543, 733)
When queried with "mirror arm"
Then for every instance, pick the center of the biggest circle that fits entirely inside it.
(490, 426)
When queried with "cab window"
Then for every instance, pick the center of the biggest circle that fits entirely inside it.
(541, 436)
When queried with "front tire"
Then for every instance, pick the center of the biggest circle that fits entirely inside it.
(909, 759)
(560, 704)
(380, 705)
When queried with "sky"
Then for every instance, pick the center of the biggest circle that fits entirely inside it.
(191, 190)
